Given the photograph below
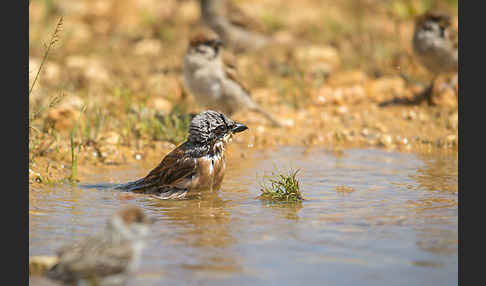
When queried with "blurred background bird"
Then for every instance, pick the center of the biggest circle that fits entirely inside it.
(435, 43)
(213, 80)
(107, 258)
(237, 30)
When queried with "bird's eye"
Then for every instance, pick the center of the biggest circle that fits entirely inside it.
(221, 128)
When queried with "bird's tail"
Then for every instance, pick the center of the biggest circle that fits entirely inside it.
(138, 185)
(267, 115)
(159, 192)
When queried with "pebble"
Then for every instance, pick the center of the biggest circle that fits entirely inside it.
(386, 140)
(409, 115)
(342, 110)
(451, 140)
(147, 47)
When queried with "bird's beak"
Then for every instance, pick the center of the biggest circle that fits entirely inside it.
(239, 128)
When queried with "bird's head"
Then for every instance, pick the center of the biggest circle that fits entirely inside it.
(433, 22)
(205, 44)
(209, 127)
(130, 223)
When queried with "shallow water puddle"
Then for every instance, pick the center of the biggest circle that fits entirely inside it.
(371, 217)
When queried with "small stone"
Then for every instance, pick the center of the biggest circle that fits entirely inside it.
(381, 127)
(148, 47)
(444, 91)
(386, 140)
(341, 110)
(33, 175)
(365, 132)
(452, 121)
(353, 77)
(423, 117)
(160, 104)
(409, 115)
(318, 55)
(288, 122)
(385, 88)
(451, 140)
(446, 98)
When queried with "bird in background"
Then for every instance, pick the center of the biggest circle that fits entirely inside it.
(214, 81)
(236, 29)
(435, 43)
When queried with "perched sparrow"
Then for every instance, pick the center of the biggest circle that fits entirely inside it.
(107, 258)
(213, 81)
(236, 29)
(195, 165)
(435, 42)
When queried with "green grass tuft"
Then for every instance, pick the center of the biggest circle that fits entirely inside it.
(282, 188)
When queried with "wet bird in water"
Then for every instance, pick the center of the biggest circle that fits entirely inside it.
(195, 165)
(213, 80)
(108, 257)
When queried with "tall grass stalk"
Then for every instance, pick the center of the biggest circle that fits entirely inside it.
(54, 39)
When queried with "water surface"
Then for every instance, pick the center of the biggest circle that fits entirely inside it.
(371, 218)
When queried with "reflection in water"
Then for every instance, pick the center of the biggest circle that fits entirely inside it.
(205, 229)
(438, 241)
(285, 210)
(439, 174)
(370, 217)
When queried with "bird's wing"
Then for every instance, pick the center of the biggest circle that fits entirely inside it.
(231, 72)
(238, 18)
(176, 166)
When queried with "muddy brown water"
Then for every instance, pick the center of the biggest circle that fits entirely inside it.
(371, 217)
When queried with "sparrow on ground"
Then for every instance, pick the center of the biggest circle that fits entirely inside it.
(236, 29)
(213, 80)
(435, 43)
(197, 164)
(108, 257)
